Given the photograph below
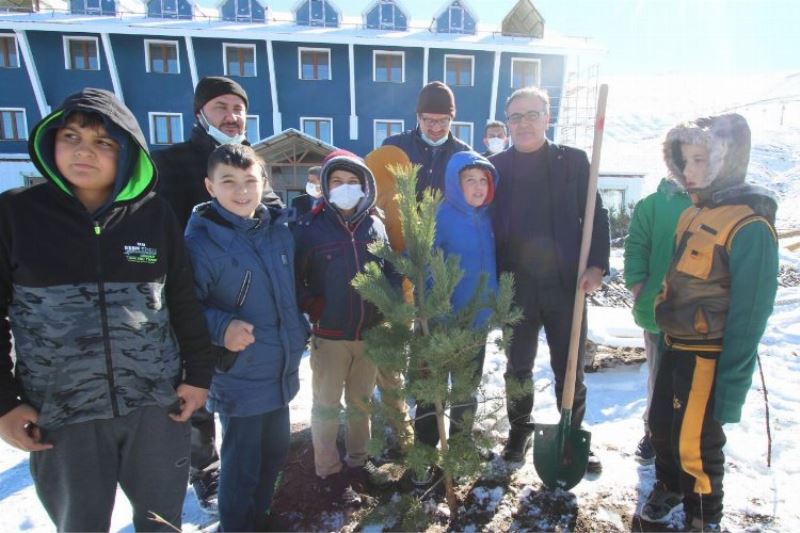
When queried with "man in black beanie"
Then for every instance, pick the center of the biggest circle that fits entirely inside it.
(431, 143)
(220, 108)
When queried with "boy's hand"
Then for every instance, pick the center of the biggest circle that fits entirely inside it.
(239, 335)
(591, 280)
(191, 399)
(18, 428)
(635, 290)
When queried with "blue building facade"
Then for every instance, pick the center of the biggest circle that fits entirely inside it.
(348, 80)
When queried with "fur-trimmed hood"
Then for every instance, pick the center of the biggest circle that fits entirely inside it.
(727, 139)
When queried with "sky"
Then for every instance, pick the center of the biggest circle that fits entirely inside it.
(650, 36)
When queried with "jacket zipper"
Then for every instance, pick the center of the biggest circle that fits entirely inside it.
(104, 320)
(355, 253)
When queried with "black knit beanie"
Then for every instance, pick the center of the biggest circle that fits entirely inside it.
(212, 86)
(436, 97)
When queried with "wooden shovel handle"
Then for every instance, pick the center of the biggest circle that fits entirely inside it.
(586, 240)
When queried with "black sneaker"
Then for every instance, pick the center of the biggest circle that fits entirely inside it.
(645, 453)
(593, 464)
(518, 444)
(206, 487)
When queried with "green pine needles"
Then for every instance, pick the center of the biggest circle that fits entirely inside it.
(423, 337)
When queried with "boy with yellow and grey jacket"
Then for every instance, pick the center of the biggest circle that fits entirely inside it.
(713, 308)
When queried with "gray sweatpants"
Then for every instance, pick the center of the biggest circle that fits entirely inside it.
(145, 452)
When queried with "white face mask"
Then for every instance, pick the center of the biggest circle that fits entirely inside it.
(218, 135)
(496, 144)
(346, 196)
(312, 189)
(431, 142)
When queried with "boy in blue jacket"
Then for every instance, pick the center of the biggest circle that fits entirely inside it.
(464, 229)
(332, 247)
(243, 257)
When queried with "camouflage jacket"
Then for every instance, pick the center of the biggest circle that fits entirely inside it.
(101, 305)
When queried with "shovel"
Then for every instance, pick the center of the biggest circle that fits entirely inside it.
(379, 161)
(561, 452)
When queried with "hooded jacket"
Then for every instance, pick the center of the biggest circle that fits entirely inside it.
(182, 169)
(721, 285)
(466, 231)
(649, 246)
(101, 305)
(433, 159)
(330, 250)
(244, 269)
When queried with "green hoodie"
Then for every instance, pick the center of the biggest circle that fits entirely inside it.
(649, 247)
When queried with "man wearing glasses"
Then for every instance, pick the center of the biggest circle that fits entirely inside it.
(538, 216)
(431, 143)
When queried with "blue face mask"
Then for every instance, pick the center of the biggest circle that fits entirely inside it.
(431, 142)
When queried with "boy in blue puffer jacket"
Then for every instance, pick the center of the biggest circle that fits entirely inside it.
(243, 257)
(464, 228)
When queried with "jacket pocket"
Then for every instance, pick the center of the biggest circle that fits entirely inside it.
(698, 255)
(244, 288)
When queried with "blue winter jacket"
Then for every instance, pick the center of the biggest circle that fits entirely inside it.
(466, 231)
(244, 269)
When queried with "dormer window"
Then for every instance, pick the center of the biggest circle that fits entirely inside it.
(317, 13)
(456, 18)
(243, 11)
(385, 15)
(170, 9)
(93, 7)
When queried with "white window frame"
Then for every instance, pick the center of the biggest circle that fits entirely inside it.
(24, 123)
(538, 62)
(387, 25)
(164, 12)
(375, 122)
(311, 20)
(471, 130)
(376, 53)
(69, 38)
(258, 128)
(13, 38)
(225, 47)
(93, 11)
(249, 17)
(450, 9)
(148, 42)
(472, 68)
(151, 116)
(300, 51)
(321, 119)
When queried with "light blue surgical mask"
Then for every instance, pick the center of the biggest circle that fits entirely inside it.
(218, 135)
(431, 142)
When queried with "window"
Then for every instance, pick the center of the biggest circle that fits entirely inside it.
(13, 125)
(387, 14)
(8, 52)
(458, 70)
(456, 18)
(463, 131)
(525, 72)
(316, 12)
(80, 53)
(315, 63)
(613, 199)
(319, 128)
(162, 57)
(252, 129)
(92, 7)
(386, 128)
(388, 66)
(240, 60)
(166, 128)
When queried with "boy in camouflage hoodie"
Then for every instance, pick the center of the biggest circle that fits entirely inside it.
(713, 308)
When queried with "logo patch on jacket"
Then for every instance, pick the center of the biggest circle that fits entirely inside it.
(140, 253)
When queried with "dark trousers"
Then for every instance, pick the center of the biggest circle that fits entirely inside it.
(254, 450)
(545, 303)
(145, 452)
(687, 439)
(204, 449)
(426, 429)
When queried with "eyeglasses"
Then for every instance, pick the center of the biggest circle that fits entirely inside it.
(530, 116)
(431, 122)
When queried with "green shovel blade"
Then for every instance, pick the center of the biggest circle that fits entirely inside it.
(560, 453)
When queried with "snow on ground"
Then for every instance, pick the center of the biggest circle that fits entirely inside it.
(640, 112)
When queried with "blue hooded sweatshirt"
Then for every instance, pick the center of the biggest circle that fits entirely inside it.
(466, 231)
